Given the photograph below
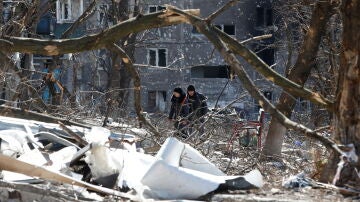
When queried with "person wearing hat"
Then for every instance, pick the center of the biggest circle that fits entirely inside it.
(197, 108)
(179, 111)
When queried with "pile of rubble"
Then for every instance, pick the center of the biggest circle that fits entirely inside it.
(52, 162)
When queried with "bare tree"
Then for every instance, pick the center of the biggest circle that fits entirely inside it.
(345, 107)
(300, 72)
(119, 77)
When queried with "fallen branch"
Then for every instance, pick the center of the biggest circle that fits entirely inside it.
(213, 35)
(257, 38)
(27, 114)
(78, 139)
(260, 66)
(5, 45)
(137, 86)
(14, 165)
(93, 41)
(221, 10)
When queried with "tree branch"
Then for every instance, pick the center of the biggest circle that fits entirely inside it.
(81, 141)
(95, 41)
(160, 19)
(221, 10)
(257, 38)
(137, 86)
(259, 65)
(6, 45)
(270, 74)
(235, 65)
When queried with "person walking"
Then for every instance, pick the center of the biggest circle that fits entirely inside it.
(197, 108)
(179, 111)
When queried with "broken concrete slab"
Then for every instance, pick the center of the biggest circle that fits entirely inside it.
(14, 165)
(177, 171)
(54, 138)
(163, 176)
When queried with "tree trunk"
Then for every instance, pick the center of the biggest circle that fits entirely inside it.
(299, 74)
(120, 78)
(347, 115)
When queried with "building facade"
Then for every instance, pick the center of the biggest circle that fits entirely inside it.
(180, 56)
(167, 57)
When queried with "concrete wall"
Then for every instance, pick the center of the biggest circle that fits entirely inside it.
(187, 49)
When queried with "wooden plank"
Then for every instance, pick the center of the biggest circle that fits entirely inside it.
(14, 165)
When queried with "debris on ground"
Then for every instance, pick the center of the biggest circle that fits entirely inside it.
(97, 164)
(297, 181)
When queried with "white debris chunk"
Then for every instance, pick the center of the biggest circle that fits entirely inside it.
(101, 161)
(34, 157)
(178, 182)
(10, 146)
(20, 137)
(61, 158)
(178, 171)
(98, 135)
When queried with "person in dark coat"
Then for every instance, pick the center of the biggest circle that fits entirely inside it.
(198, 108)
(179, 111)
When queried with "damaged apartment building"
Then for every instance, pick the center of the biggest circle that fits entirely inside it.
(166, 57)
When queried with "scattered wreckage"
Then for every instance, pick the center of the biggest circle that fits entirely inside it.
(97, 163)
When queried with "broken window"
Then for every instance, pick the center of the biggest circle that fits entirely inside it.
(219, 27)
(152, 99)
(7, 11)
(302, 105)
(103, 15)
(264, 17)
(267, 55)
(259, 16)
(161, 8)
(63, 9)
(152, 57)
(269, 17)
(153, 9)
(68, 10)
(157, 57)
(103, 61)
(45, 25)
(162, 57)
(228, 29)
(221, 71)
(268, 95)
(156, 100)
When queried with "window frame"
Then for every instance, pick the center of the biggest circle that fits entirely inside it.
(265, 53)
(157, 59)
(265, 13)
(303, 105)
(99, 11)
(221, 27)
(60, 11)
(207, 72)
(157, 8)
